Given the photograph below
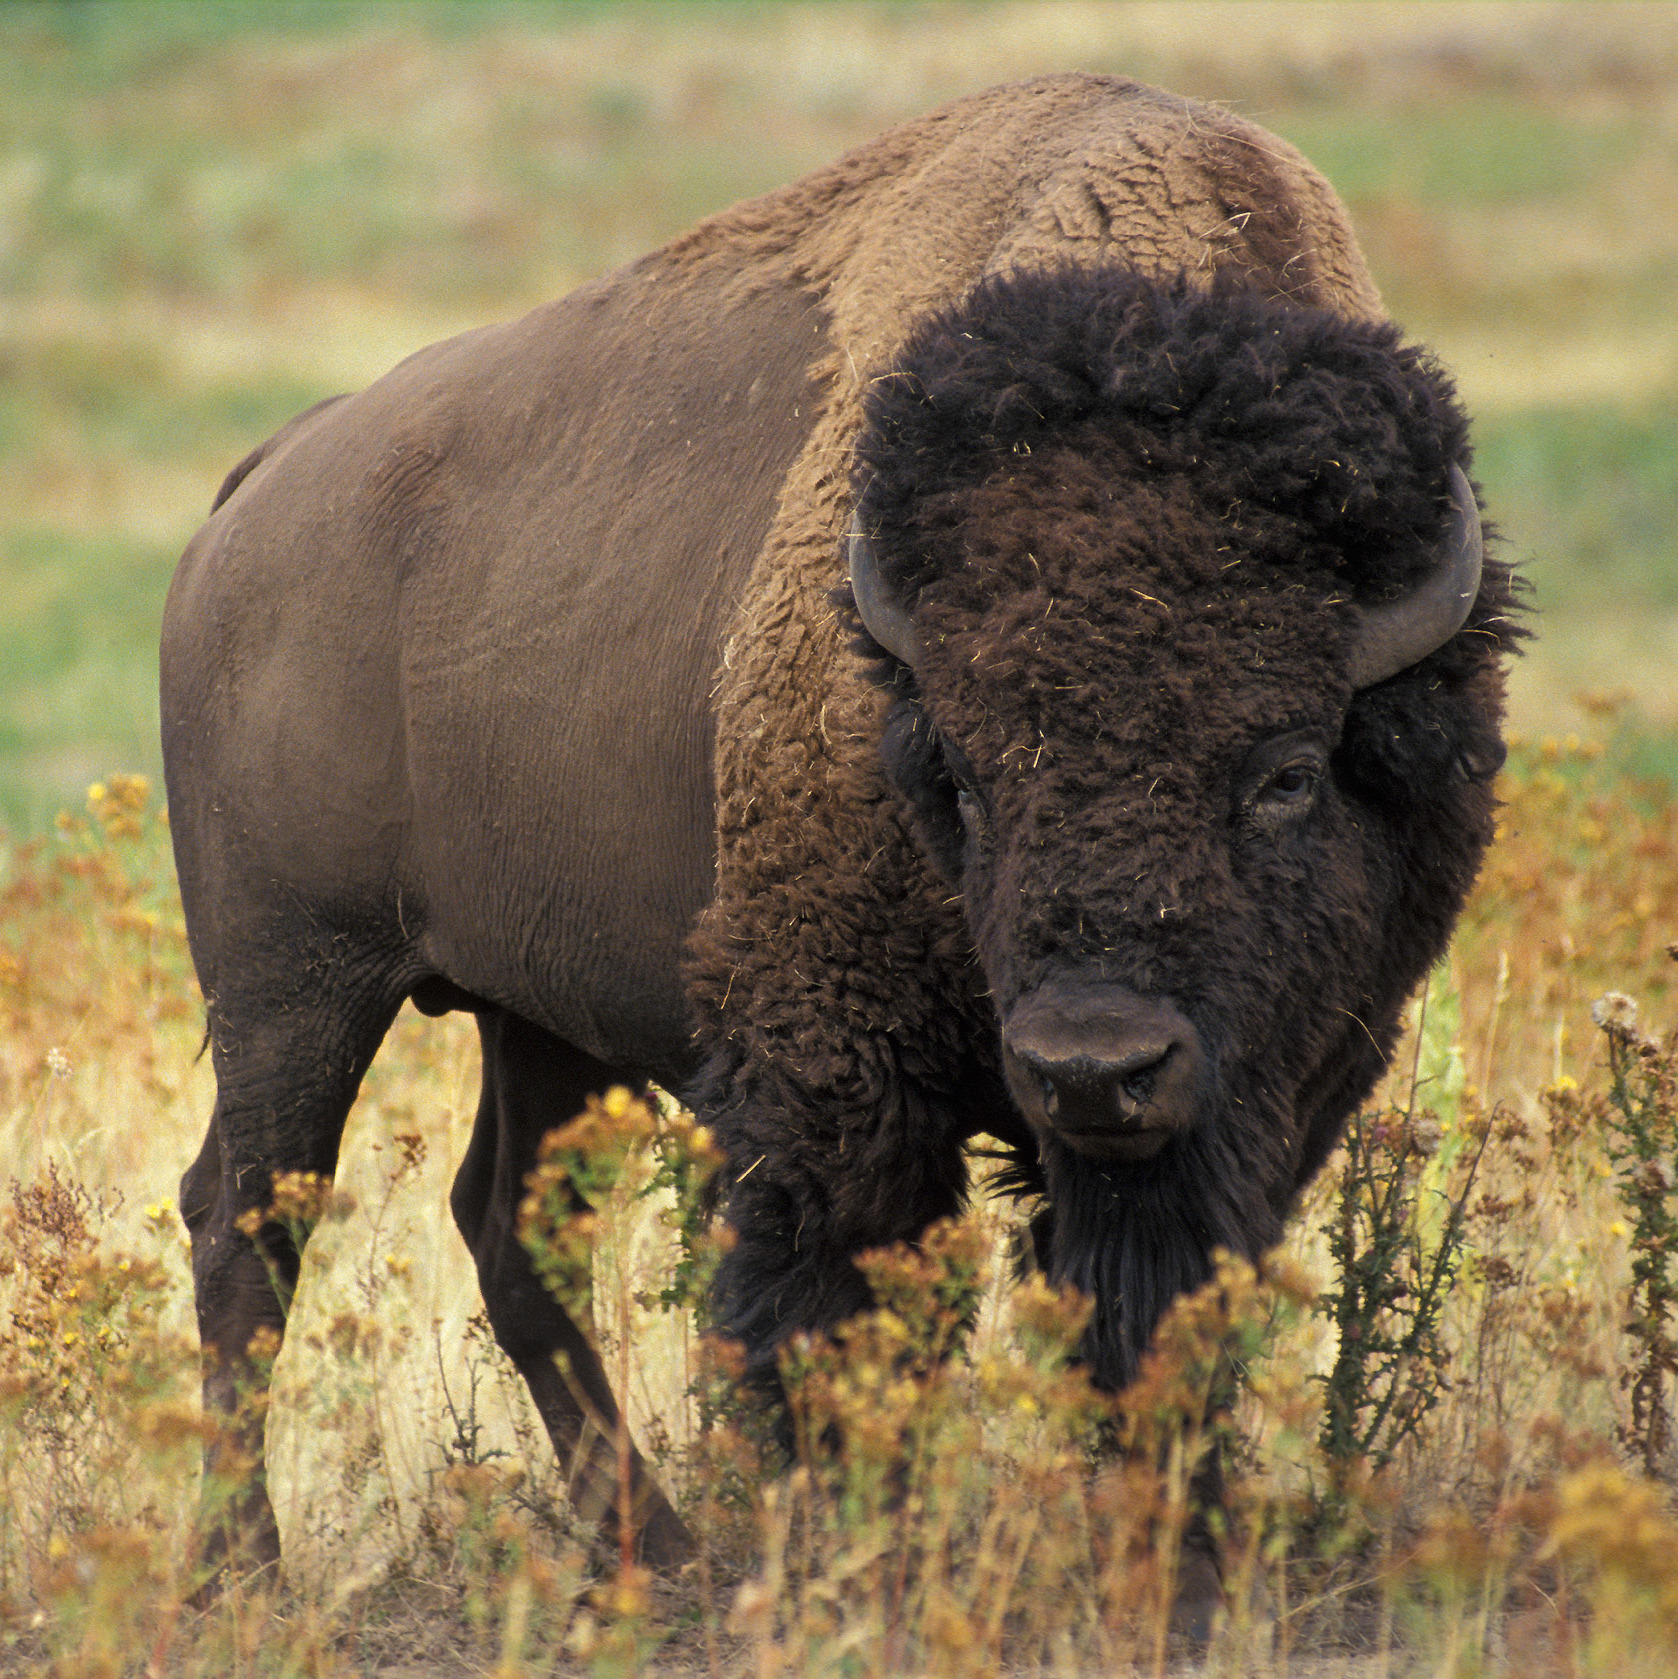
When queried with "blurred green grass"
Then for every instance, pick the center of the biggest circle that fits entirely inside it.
(1493, 149)
(1601, 484)
(212, 215)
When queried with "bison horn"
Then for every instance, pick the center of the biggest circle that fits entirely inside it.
(883, 617)
(1401, 633)
(1391, 637)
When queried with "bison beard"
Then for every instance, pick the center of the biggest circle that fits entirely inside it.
(1314, 451)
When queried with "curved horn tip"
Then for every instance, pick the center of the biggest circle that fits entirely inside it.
(883, 617)
(1398, 634)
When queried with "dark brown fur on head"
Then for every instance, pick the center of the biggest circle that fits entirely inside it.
(1131, 522)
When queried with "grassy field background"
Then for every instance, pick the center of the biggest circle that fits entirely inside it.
(213, 215)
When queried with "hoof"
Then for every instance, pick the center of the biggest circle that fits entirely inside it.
(1199, 1598)
(216, 1580)
(664, 1543)
(243, 1550)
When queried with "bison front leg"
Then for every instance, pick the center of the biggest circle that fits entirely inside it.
(532, 1082)
(835, 1026)
(816, 1176)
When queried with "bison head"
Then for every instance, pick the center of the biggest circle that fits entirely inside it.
(1194, 659)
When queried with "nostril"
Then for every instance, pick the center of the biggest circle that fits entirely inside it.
(1138, 1082)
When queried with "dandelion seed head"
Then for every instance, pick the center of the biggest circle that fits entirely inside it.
(1614, 1011)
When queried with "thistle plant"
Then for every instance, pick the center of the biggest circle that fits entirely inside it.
(1640, 1122)
(1397, 1234)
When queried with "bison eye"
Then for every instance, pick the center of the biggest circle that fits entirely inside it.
(1292, 785)
(1283, 777)
(1287, 793)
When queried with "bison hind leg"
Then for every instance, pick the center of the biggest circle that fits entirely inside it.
(286, 1076)
(533, 1081)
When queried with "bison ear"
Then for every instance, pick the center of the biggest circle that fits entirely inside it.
(882, 616)
(1401, 633)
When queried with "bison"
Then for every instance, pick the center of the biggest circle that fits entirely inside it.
(992, 637)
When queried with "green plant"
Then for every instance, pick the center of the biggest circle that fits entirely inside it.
(1640, 1120)
(1397, 1235)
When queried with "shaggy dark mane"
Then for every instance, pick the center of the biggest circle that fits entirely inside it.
(1334, 423)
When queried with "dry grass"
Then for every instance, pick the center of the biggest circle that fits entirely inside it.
(959, 1528)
